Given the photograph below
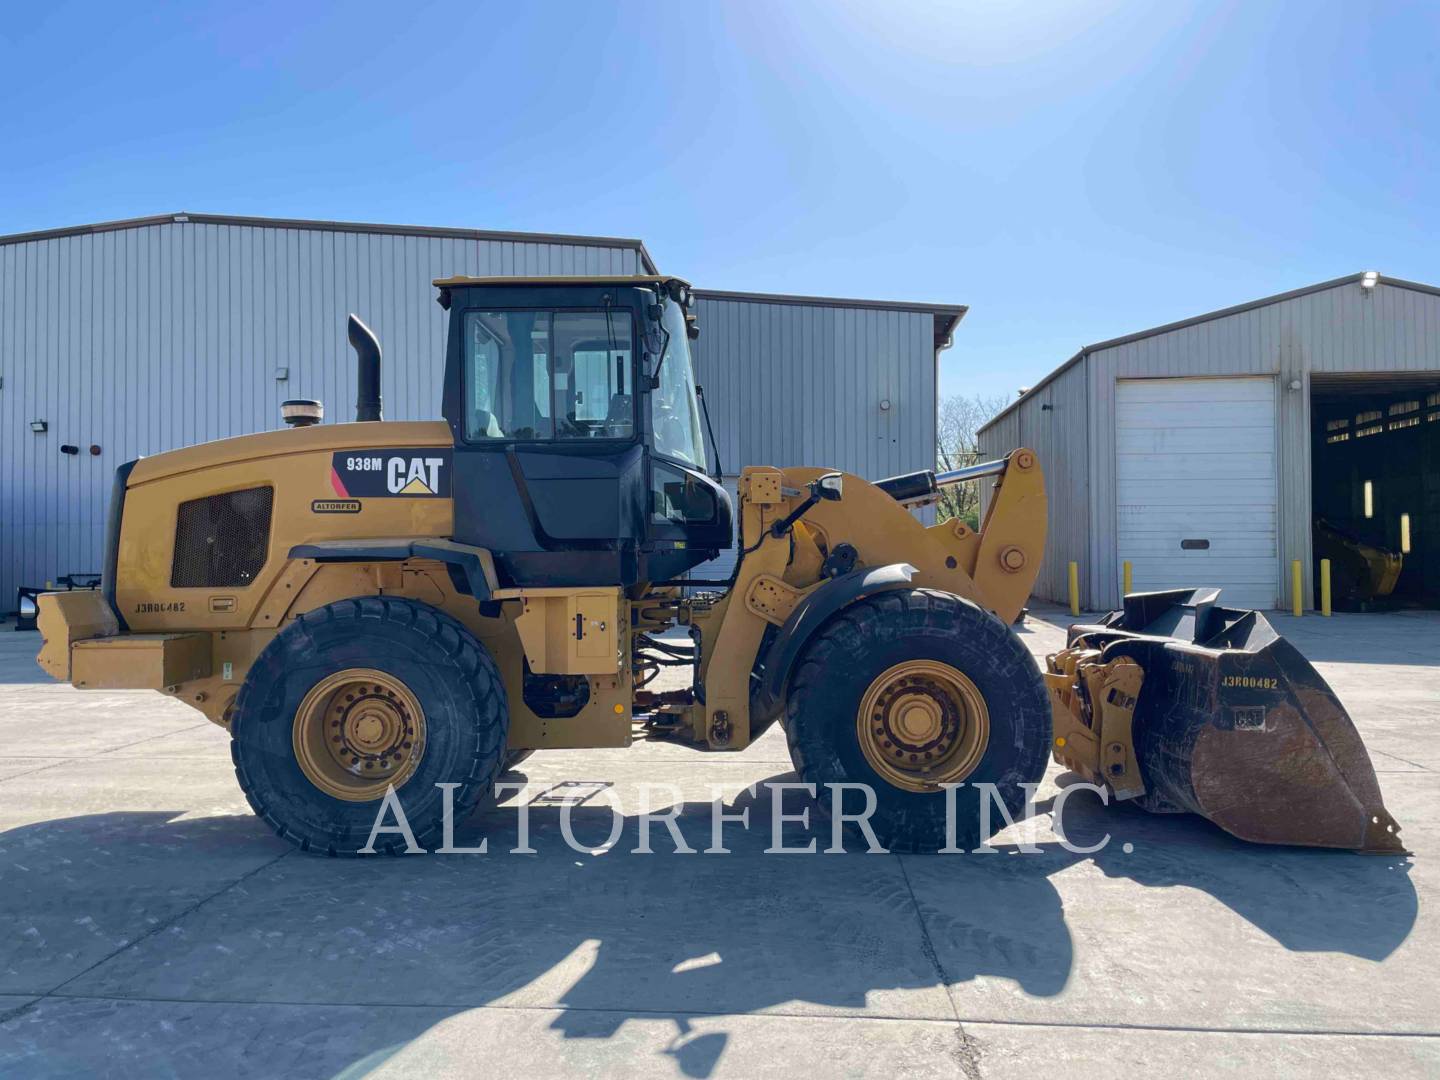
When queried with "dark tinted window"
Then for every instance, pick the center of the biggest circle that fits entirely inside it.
(678, 498)
(548, 375)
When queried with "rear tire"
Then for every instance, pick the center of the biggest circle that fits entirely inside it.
(955, 678)
(514, 758)
(437, 714)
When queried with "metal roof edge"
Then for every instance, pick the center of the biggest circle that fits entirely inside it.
(1413, 286)
(1195, 320)
(946, 316)
(315, 225)
(1221, 313)
(646, 262)
(1046, 381)
(957, 310)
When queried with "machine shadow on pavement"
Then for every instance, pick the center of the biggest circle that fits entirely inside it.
(1306, 899)
(215, 909)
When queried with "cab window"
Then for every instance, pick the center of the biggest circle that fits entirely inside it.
(677, 498)
(546, 375)
(674, 411)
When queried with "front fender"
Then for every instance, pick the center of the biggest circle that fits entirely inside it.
(809, 615)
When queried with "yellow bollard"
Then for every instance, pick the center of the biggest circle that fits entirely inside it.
(1127, 585)
(1297, 595)
(1074, 588)
(1324, 586)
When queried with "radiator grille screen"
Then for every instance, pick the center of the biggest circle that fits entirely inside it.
(221, 541)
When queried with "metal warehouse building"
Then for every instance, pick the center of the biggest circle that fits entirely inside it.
(133, 337)
(1216, 450)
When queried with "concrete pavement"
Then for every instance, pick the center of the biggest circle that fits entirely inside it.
(149, 925)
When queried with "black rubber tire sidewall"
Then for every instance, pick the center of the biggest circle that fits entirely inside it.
(449, 671)
(847, 654)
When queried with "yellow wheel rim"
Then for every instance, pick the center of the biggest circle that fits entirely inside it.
(922, 724)
(358, 732)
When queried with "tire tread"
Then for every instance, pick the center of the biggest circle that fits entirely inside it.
(457, 645)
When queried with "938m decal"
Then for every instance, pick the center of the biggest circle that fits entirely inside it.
(386, 474)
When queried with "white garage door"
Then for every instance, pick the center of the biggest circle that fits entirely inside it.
(1195, 479)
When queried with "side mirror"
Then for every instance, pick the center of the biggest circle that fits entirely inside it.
(827, 488)
(830, 487)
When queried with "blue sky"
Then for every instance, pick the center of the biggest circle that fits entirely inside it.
(1071, 171)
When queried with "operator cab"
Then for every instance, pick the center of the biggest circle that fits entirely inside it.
(579, 452)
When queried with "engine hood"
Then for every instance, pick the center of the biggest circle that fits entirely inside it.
(302, 440)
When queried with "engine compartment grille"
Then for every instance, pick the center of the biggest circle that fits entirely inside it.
(221, 541)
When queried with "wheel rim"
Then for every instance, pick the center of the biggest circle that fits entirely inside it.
(922, 724)
(358, 732)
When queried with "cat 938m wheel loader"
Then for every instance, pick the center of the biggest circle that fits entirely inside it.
(411, 606)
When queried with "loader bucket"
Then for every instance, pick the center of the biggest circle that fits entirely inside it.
(1234, 724)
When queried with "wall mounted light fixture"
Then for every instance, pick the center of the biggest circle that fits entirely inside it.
(39, 426)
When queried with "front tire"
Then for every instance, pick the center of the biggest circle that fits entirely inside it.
(912, 689)
(358, 696)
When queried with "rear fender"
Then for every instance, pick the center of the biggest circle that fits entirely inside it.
(472, 569)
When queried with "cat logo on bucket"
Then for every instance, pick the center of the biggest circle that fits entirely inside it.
(380, 474)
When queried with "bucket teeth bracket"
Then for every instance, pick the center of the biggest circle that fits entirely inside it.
(1093, 704)
(1120, 683)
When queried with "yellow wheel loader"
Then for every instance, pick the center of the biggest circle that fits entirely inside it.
(394, 606)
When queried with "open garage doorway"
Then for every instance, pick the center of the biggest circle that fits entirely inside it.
(1375, 488)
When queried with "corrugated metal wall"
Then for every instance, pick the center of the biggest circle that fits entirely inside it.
(1053, 423)
(801, 384)
(1336, 329)
(143, 339)
(794, 384)
(1339, 329)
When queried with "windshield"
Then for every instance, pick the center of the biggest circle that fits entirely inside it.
(674, 412)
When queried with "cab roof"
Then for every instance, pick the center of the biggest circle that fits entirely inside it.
(581, 279)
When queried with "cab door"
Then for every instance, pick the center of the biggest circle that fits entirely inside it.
(549, 463)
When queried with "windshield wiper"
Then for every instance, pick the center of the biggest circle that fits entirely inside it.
(719, 474)
(660, 357)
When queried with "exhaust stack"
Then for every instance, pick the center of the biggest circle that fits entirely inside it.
(367, 357)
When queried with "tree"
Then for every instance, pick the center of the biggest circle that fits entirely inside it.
(956, 446)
